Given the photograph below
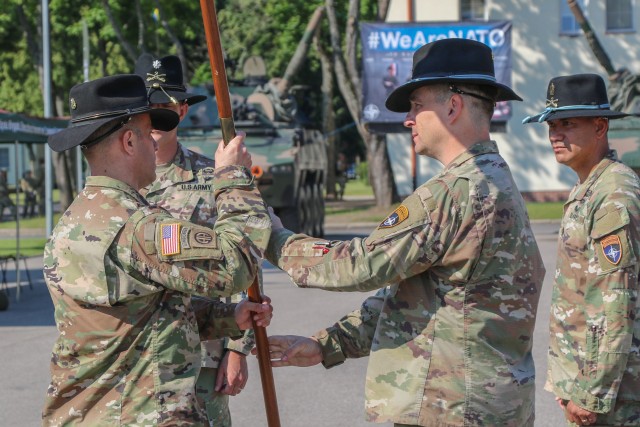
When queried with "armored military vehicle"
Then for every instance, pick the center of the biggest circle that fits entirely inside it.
(623, 93)
(289, 153)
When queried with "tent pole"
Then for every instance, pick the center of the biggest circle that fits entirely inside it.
(17, 258)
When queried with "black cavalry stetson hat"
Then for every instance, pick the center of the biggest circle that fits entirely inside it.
(578, 95)
(163, 78)
(450, 60)
(105, 100)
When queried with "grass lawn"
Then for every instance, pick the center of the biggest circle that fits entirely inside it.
(370, 213)
(30, 246)
(545, 210)
(356, 187)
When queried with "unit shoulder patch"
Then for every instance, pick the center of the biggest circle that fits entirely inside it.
(612, 249)
(396, 217)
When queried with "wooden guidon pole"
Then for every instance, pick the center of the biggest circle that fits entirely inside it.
(219, 75)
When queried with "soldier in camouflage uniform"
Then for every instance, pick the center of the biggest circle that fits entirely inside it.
(121, 273)
(5, 199)
(449, 333)
(184, 187)
(594, 361)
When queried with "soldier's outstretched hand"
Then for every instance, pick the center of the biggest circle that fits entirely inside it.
(235, 153)
(293, 350)
(260, 312)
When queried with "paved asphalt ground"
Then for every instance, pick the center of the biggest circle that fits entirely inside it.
(312, 397)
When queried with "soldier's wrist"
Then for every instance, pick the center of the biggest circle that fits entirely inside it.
(330, 347)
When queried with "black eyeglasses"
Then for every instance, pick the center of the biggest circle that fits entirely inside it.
(455, 89)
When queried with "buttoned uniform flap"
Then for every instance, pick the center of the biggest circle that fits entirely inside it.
(607, 220)
(413, 212)
(178, 240)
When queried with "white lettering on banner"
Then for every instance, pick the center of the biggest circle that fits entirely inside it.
(395, 40)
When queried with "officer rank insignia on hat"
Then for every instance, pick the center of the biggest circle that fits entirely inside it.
(551, 102)
(398, 216)
(170, 239)
(612, 249)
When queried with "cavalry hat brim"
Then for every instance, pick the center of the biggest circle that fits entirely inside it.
(610, 114)
(161, 119)
(157, 96)
(398, 100)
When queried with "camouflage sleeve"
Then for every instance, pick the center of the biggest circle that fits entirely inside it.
(196, 259)
(610, 310)
(407, 243)
(351, 336)
(215, 319)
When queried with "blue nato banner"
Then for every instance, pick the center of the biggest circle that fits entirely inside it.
(387, 56)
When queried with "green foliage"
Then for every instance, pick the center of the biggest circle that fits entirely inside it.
(362, 170)
(269, 28)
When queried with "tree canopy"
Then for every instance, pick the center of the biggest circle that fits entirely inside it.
(119, 31)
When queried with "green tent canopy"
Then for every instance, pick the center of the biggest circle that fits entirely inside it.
(18, 127)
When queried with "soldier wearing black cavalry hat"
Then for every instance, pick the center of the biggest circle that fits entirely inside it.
(121, 272)
(184, 186)
(594, 365)
(458, 271)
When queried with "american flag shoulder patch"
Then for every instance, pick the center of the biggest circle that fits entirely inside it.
(170, 239)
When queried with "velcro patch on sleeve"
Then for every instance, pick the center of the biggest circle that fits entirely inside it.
(170, 235)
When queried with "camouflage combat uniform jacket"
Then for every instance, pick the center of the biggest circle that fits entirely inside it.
(185, 189)
(450, 339)
(121, 274)
(594, 348)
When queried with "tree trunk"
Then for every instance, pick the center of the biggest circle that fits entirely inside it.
(130, 51)
(176, 42)
(380, 175)
(141, 27)
(349, 83)
(328, 116)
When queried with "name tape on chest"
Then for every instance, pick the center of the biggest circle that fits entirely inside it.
(396, 217)
(196, 187)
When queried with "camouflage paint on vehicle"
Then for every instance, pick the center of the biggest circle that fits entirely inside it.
(289, 155)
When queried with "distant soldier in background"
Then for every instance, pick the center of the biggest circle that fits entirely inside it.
(5, 200)
(40, 187)
(27, 186)
(341, 175)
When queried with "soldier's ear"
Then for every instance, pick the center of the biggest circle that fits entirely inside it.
(602, 126)
(127, 141)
